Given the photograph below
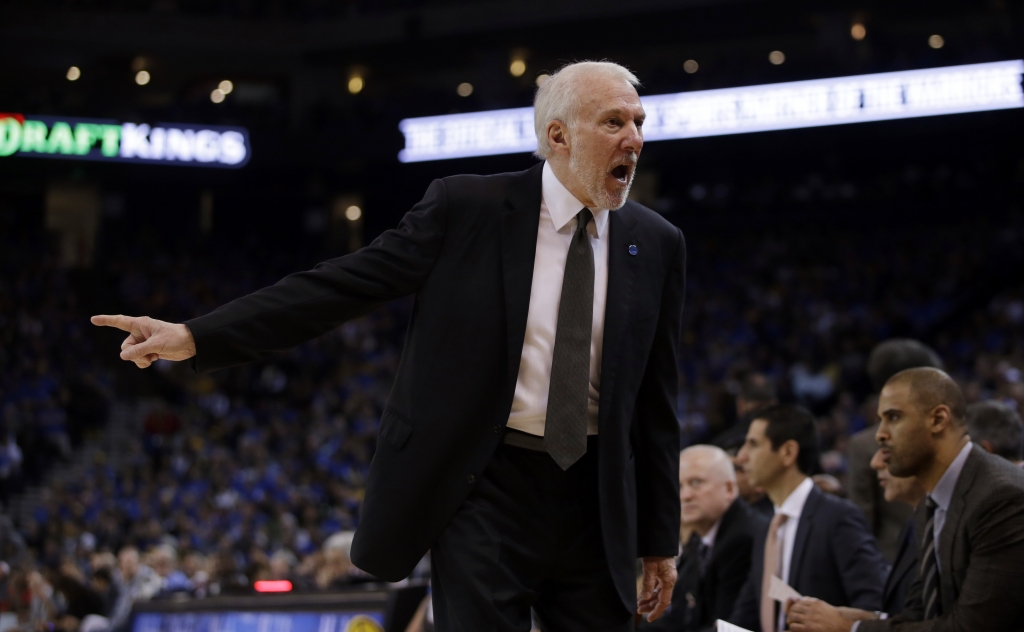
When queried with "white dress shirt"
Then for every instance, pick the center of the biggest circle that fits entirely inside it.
(793, 506)
(709, 538)
(558, 209)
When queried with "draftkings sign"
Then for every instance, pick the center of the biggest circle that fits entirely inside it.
(109, 141)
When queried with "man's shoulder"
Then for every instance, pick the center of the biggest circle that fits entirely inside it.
(741, 524)
(475, 187)
(996, 479)
(649, 219)
(836, 510)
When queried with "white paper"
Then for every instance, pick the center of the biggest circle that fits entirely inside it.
(725, 626)
(781, 591)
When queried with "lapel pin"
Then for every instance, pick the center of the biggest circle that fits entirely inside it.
(633, 249)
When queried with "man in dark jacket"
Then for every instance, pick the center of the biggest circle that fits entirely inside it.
(817, 543)
(971, 545)
(817, 615)
(716, 560)
(530, 441)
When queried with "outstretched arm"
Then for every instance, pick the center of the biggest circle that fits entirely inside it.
(301, 306)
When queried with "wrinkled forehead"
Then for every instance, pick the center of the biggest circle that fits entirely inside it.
(599, 94)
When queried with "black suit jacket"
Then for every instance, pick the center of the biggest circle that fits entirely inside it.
(698, 602)
(903, 573)
(981, 554)
(835, 559)
(466, 251)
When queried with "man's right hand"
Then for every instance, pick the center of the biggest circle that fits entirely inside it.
(150, 340)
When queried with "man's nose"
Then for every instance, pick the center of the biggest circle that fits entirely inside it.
(634, 139)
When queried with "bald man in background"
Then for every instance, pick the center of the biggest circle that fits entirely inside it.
(716, 558)
(971, 542)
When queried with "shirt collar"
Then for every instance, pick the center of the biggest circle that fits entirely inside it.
(793, 506)
(709, 537)
(563, 205)
(943, 492)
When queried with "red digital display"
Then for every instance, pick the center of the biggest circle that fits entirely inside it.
(273, 586)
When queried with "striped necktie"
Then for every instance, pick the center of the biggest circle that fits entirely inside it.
(929, 565)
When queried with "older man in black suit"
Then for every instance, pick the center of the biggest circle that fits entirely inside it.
(530, 440)
(969, 526)
(716, 559)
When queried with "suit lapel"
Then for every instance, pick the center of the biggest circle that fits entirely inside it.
(905, 562)
(519, 222)
(621, 276)
(803, 535)
(731, 517)
(949, 529)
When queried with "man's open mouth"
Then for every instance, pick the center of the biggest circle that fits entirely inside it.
(621, 173)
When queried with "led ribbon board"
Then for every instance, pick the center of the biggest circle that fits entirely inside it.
(109, 141)
(819, 102)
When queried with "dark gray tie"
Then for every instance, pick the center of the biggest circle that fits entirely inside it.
(565, 426)
(929, 565)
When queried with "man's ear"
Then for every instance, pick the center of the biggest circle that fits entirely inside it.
(940, 418)
(731, 488)
(789, 451)
(987, 445)
(557, 137)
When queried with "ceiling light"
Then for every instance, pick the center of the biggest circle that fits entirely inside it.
(517, 68)
(217, 96)
(776, 57)
(936, 41)
(464, 89)
(355, 84)
(858, 32)
(142, 77)
(541, 78)
(691, 66)
(74, 73)
(353, 213)
(226, 86)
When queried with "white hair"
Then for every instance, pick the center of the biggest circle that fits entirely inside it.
(558, 98)
(718, 462)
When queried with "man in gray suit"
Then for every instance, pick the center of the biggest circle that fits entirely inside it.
(970, 524)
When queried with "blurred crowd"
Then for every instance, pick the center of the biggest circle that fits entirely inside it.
(257, 472)
(52, 389)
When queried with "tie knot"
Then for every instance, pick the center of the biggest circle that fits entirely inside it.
(583, 218)
(778, 520)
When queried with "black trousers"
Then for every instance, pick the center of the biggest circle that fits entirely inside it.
(528, 536)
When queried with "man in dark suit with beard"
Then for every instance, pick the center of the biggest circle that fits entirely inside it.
(715, 561)
(971, 544)
(530, 441)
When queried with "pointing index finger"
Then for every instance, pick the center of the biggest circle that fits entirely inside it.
(124, 323)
